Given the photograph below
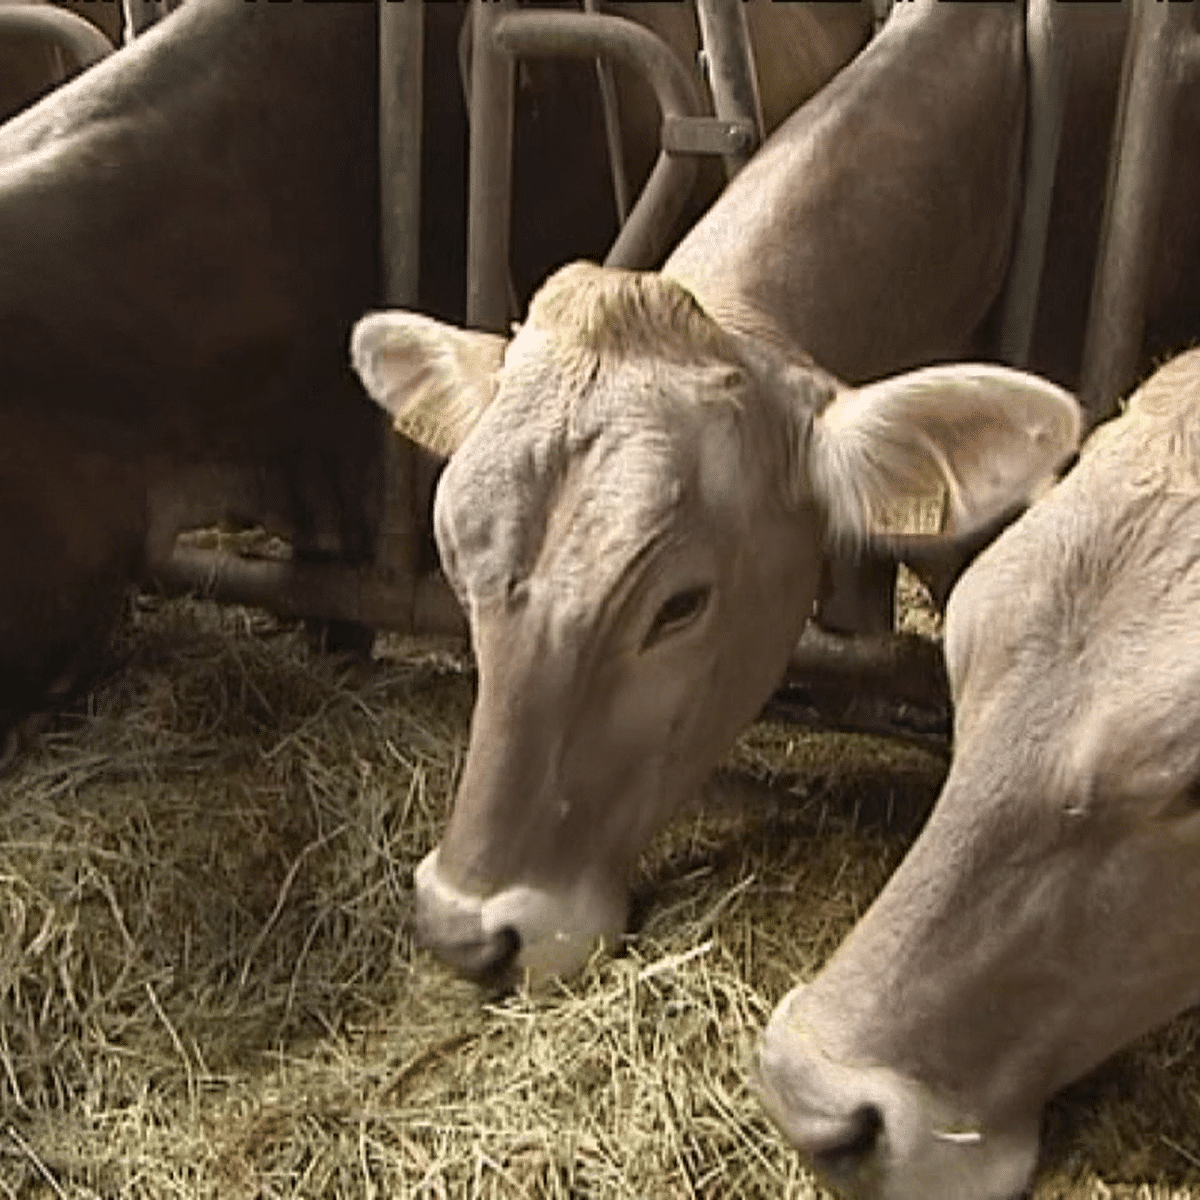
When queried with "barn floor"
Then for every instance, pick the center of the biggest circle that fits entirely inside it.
(208, 986)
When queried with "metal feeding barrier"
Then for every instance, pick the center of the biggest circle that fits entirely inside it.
(502, 33)
(1161, 55)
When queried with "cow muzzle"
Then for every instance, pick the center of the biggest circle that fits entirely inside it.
(877, 1134)
(523, 928)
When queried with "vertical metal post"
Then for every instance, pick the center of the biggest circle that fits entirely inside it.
(622, 194)
(401, 78)
(1138, 162)
(1047, 66)
(732, 77)
(401, 62)
(489, 210)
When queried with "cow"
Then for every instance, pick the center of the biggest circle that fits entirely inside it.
(643, 483)
(190, 229)
(1046, 914)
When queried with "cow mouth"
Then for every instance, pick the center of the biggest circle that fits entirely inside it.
(488, 961)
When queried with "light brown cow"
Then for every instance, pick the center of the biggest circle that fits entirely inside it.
(636, 523)
(1047, 914)
(634, 520)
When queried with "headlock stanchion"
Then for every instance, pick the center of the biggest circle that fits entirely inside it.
(73, 34)
(500, 34)
(584, 35)
(489, 171)
(610, 107)
(1162, 52)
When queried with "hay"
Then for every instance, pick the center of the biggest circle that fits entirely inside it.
(208, 986)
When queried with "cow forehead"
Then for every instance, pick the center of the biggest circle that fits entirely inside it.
(572, 473)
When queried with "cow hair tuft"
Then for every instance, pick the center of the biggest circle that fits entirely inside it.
(602, 313)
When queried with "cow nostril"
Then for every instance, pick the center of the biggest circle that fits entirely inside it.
(507, 943)
(857, 1142)
(495, 957)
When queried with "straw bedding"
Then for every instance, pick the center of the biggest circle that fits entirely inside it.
(208, 985)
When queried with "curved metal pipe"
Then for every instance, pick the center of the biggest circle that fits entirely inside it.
(70, 32)
(644, 239)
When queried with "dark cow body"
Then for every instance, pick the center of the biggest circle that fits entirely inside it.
(188, 231)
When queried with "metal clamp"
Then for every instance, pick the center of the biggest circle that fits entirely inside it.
(707, 135)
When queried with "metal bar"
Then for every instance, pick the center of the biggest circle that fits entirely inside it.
(139, 16)
(401, 81)
(732, 78)
(707, 135)
(1046, 58)
(401, 94)
(489, 206)
(610, 106)
(644, 239)
(1138, 161)
(73, 34)
(327, 591)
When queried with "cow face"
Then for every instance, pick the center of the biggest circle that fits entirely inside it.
(633, 518)
(1047, 914)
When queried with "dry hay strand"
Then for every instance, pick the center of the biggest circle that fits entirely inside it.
(208, 986)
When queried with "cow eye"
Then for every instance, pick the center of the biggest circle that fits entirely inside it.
(677, 612)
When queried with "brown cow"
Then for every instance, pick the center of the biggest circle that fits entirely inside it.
(634, 519)
(1047, 913)
(189, 230)
(872, 233)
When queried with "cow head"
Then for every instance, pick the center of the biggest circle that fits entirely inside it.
(633, 517)
(1048, 912)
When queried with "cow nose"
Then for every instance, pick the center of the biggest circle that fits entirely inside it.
(841, 1144)
(450, 923)
(836, 1133)
(488, 959)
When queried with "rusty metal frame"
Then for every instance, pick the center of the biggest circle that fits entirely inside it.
(74, 34)
(401, 112)
(322, 591)
(489, 170)
(1162, 50)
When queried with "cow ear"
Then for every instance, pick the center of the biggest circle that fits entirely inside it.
(434, 379)
(952, 447)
